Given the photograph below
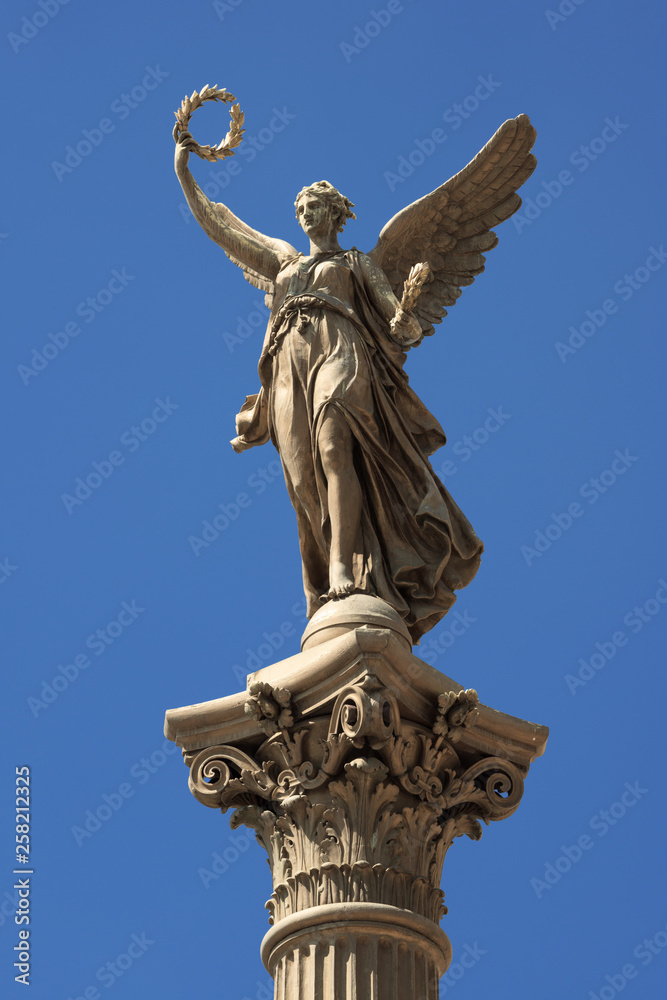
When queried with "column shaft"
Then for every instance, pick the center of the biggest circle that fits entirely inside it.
(356, 951)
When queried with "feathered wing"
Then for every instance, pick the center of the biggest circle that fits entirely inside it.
(450, 227)
(279, 247)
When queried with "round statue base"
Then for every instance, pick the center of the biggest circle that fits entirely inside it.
(337, 617)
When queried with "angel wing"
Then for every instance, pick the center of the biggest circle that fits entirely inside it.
(449, 227)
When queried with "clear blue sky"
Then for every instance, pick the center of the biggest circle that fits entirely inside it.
(141, 322)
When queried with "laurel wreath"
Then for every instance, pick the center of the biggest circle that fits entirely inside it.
(413, 285)
(233, 137)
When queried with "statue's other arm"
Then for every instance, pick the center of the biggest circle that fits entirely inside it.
(248, 251)
(404, 326)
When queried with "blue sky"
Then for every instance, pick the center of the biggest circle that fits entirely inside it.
(148, 339)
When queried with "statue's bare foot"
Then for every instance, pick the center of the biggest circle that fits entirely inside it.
(343, 591)
(341, 583)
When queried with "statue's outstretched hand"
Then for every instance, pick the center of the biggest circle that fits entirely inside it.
(405, 327)
(184, 144)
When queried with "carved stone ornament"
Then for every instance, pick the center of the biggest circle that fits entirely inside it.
(357, 765)
(271, 707)
(359, 807)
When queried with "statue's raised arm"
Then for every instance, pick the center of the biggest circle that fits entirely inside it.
(259, 256)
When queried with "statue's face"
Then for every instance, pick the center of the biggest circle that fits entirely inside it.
(313, 215)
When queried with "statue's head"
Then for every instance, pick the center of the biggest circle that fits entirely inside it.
(339, 208)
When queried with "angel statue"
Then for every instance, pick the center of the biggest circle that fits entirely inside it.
(353, 437)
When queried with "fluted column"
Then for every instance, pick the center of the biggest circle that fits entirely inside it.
(356, 951)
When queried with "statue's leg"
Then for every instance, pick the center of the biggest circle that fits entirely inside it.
(292, 429)
(335, 444)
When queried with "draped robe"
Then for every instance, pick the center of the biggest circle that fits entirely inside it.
(328, 346)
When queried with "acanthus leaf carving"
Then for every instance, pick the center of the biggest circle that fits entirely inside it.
(458, 825)
(418, 838)
(437, 760)
(341, 825)
(336, 749)
(304, 829)
(361, 823)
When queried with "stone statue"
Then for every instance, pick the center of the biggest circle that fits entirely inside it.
(356, 763)
(353, 437)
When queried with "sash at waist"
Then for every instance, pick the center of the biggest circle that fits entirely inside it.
(299, 307)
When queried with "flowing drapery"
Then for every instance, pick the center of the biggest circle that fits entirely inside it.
(327, 346)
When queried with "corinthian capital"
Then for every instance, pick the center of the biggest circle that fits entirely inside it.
(357, 765)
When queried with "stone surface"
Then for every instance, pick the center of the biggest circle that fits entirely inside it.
(356, 951)
(354, 439)
(336, 617)
(357, 765)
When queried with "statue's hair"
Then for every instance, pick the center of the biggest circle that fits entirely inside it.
(339, 206)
